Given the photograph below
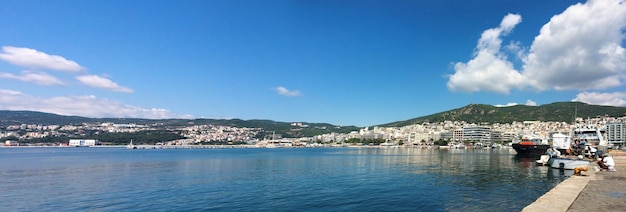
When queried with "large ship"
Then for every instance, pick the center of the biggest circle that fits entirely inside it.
(585, 139)
(589, 134)
(531, 146)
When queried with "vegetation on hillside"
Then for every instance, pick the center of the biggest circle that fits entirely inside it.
(121, 138)
(488, 114)
(473, 113)
(284, 129)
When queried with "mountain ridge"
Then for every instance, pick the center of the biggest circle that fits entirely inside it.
(482, 113)
(472, 113)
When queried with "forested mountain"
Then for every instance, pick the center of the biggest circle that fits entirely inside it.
(285, 129)
(473, 113)
(480, 113)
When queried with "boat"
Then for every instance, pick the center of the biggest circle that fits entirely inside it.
(496, 146)
(130, 145)
(531, 146)
(543, 160)
(562, 162)
(568, 163)
(562, 142)
(457, 145)
(589, 134)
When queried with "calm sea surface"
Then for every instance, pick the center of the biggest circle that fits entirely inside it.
(296, 179)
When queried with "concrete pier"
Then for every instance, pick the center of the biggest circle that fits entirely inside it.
(594, 191)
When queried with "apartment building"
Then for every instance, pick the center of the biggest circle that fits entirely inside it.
(616, 133)
(479, 134)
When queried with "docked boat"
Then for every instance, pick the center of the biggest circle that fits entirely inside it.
(130, 145)
(562, 162)
(567, 163)
(531, 146)
(589, 134)
(457, 145)
(561, 142)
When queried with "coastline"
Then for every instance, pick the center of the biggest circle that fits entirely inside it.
(592, 191)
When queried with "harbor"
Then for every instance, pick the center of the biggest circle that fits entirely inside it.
(592, 191)
(271, 179)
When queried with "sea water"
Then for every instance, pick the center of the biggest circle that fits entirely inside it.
(280, 179)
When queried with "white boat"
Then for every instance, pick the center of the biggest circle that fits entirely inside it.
(567, 163)
(543, 160)
(130, 145)
(457, 145)
(590, 134)
(561, 142)
(587, 141)
(496, 146)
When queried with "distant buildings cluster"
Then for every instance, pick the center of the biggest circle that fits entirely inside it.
(418, 134)
(614, 130)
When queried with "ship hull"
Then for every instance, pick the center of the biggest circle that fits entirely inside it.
(530, 150)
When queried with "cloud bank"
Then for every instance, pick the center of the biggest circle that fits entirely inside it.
(85, 105)
(31, 58)
(39, 78)
(88, 106)
(579, 49)
(616, 98)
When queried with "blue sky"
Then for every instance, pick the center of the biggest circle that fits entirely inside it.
(356, 63)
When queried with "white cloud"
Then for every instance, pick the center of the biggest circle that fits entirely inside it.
(609, 99)
(87, 106)
(579, 49)
(507, 104)
(528, 103)
(8, 93)
(286, 92)
(101, 82)
(34, 77)
(489, 70)
(32, 58)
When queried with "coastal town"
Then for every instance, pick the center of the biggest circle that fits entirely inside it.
(425, 134)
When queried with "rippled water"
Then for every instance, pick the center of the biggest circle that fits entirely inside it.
(310, 179)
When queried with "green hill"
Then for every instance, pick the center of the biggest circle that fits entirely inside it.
(480, 113)
(285, 129)
(473, 113)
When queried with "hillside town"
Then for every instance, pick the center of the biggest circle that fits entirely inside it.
(425, 134)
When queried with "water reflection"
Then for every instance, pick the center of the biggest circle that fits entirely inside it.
(473, 175)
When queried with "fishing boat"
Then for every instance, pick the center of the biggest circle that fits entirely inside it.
(531, 146)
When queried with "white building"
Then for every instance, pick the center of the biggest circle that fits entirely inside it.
(11, 143)
(480, 134)
(616, 133)
(83, 142)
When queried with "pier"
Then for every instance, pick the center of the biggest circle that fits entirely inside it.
(593, 191)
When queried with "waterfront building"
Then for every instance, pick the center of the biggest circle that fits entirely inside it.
(446, 135)
(11, 143)
(457, 135)
(479, 134)
(83, 142)
(616, 133)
